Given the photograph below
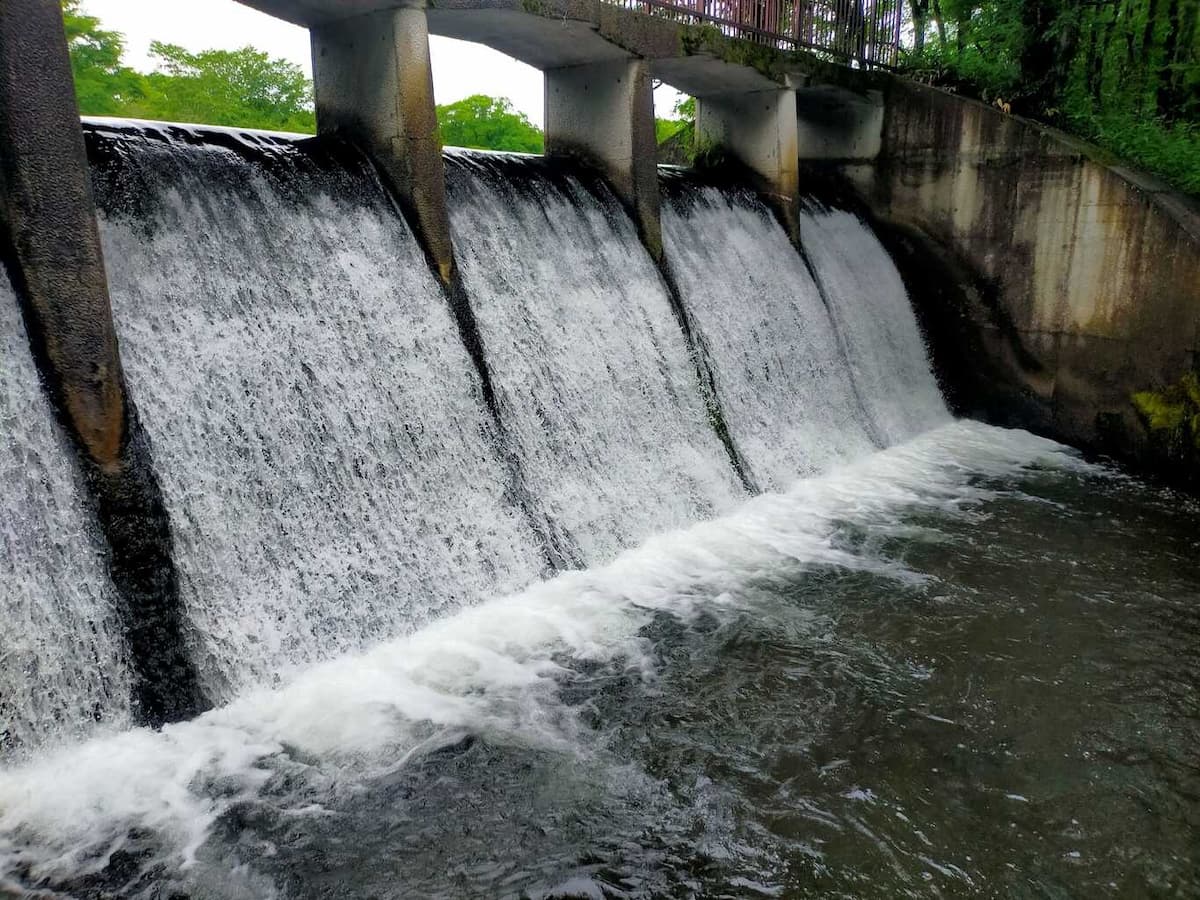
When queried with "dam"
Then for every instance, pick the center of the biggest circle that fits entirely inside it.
(388, 520)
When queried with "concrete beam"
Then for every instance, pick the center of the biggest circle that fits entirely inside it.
(50, 243)
(603, 114)
(374, 86)
(757, 130)
(837, 124)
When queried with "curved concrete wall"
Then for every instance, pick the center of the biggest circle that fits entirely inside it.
(1083, 278)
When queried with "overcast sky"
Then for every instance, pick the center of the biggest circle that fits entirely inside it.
(459, 68)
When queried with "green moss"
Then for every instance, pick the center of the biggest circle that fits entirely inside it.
(1172, 416)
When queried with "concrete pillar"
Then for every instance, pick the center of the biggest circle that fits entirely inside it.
(374, 85)
(603, 114)
(50, 244)
(758, 130)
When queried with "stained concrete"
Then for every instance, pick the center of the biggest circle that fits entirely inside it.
(50, 244)
(758, 130)
(836, 124)
(603, 114)
(374, 85)
(1086, 277)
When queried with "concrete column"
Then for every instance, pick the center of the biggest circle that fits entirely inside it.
(758, 130)
(603, 114)
(374, 85)
(50, 244)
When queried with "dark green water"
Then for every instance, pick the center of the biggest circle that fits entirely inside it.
(986, 686)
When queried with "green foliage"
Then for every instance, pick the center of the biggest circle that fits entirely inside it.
(243, 88)
(246, 88)
(1173, 414)
(665, 129)
(1124, 74)
(681, 125)
(488, 123)
(103, 84)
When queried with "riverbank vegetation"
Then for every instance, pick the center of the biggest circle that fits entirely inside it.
(1124, 74)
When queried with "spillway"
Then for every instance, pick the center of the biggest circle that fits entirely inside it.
(595, 377)
(62, 666)
(331, 471)
(779, 367)
(681, 581)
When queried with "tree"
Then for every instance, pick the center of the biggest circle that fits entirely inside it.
(1122, 73)
(104, 86)
(243, 88)
(488, 123)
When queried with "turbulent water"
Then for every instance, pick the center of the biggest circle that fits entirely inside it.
(597, 382)
(910, 676)
(61, 654)
(768, 335)
(873, 315)
(932, 659)
(328, 463)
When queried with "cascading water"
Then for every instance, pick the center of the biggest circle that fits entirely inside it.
(331, 472)
(779, 369)
(62, 666)
(837, 688)
(596, 381)
(872, 313)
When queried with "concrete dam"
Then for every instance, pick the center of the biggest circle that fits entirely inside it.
(389, 520)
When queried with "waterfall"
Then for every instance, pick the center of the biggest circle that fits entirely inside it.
(780, 372)
(62, 666)
(871, 309)
(332, 475)
(595, 378)
(332, 469)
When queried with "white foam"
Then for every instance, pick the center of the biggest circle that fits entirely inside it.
(784, 384)
(492, 669)
(879, 332)
(317, 425)
(596, 380)
(62, 667)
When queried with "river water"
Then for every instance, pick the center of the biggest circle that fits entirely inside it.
(962, 666)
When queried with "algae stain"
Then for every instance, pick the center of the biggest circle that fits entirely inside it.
(1172, 415)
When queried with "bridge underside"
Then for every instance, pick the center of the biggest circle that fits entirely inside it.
(600, 60)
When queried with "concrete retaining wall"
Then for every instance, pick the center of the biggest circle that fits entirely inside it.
(1082, 279)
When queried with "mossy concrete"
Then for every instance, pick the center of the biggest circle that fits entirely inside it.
(1085, 276)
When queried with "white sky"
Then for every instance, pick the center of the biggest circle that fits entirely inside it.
(460, 69)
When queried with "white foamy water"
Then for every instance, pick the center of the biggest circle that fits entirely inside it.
(875, 320)
(595, 378)
(317, 426)
(62, 669)
(784, 384)
(492, 670)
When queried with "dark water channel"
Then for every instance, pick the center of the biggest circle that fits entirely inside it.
(1012, 713)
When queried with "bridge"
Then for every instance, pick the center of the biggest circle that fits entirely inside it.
(600, 60)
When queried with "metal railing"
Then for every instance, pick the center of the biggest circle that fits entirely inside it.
(865, 32)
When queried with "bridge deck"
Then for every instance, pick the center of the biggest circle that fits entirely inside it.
(861, 32)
